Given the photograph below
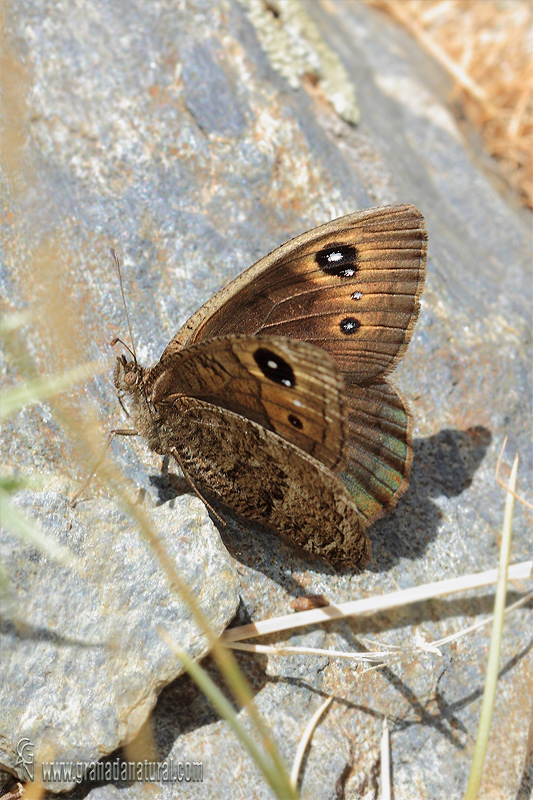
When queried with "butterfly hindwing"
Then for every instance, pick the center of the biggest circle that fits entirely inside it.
(379, 452)
(264, 478)
(288, 387)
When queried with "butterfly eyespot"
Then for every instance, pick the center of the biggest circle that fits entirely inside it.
(130, 378)
(274, 367)
(295, 422)
(356, 295)
(338, 260)
(349, 325)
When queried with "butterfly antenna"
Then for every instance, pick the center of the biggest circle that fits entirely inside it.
(132, 349)
(117, 264)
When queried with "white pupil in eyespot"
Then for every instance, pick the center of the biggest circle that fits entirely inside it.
(334, 257)
(348, 273)
(272, 364)
(285, 382)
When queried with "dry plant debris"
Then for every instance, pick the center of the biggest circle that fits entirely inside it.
(487, 48)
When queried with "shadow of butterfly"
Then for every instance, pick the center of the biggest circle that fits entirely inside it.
(273, 396)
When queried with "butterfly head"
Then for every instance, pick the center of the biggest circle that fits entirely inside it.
(130, 382)
(128, 377)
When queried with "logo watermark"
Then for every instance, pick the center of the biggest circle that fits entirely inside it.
(169, 771)
(25, 757)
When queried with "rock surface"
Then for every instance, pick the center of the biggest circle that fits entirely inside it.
(82, 658)
(167, 131)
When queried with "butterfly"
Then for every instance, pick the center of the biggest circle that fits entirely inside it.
(273, 397)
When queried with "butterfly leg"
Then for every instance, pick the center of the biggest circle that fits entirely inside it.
(110, 437)
(120, 395)
(195, 488)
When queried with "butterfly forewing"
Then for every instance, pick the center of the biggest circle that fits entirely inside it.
(351, 287)
(288, 387)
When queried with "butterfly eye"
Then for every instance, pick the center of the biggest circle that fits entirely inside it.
(130, 378)
(274, 367)
(338, 260)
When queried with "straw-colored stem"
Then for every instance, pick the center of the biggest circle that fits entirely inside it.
(385, 762)
(371, 605)
(304, 741)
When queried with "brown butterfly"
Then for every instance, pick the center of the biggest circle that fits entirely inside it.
(273, 396)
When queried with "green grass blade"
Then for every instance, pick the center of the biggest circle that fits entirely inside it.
(31, 532)
(11, 322)
(489, 693)
(277, 779)
(41, 389)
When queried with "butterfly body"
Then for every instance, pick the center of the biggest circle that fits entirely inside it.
(277, 386)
